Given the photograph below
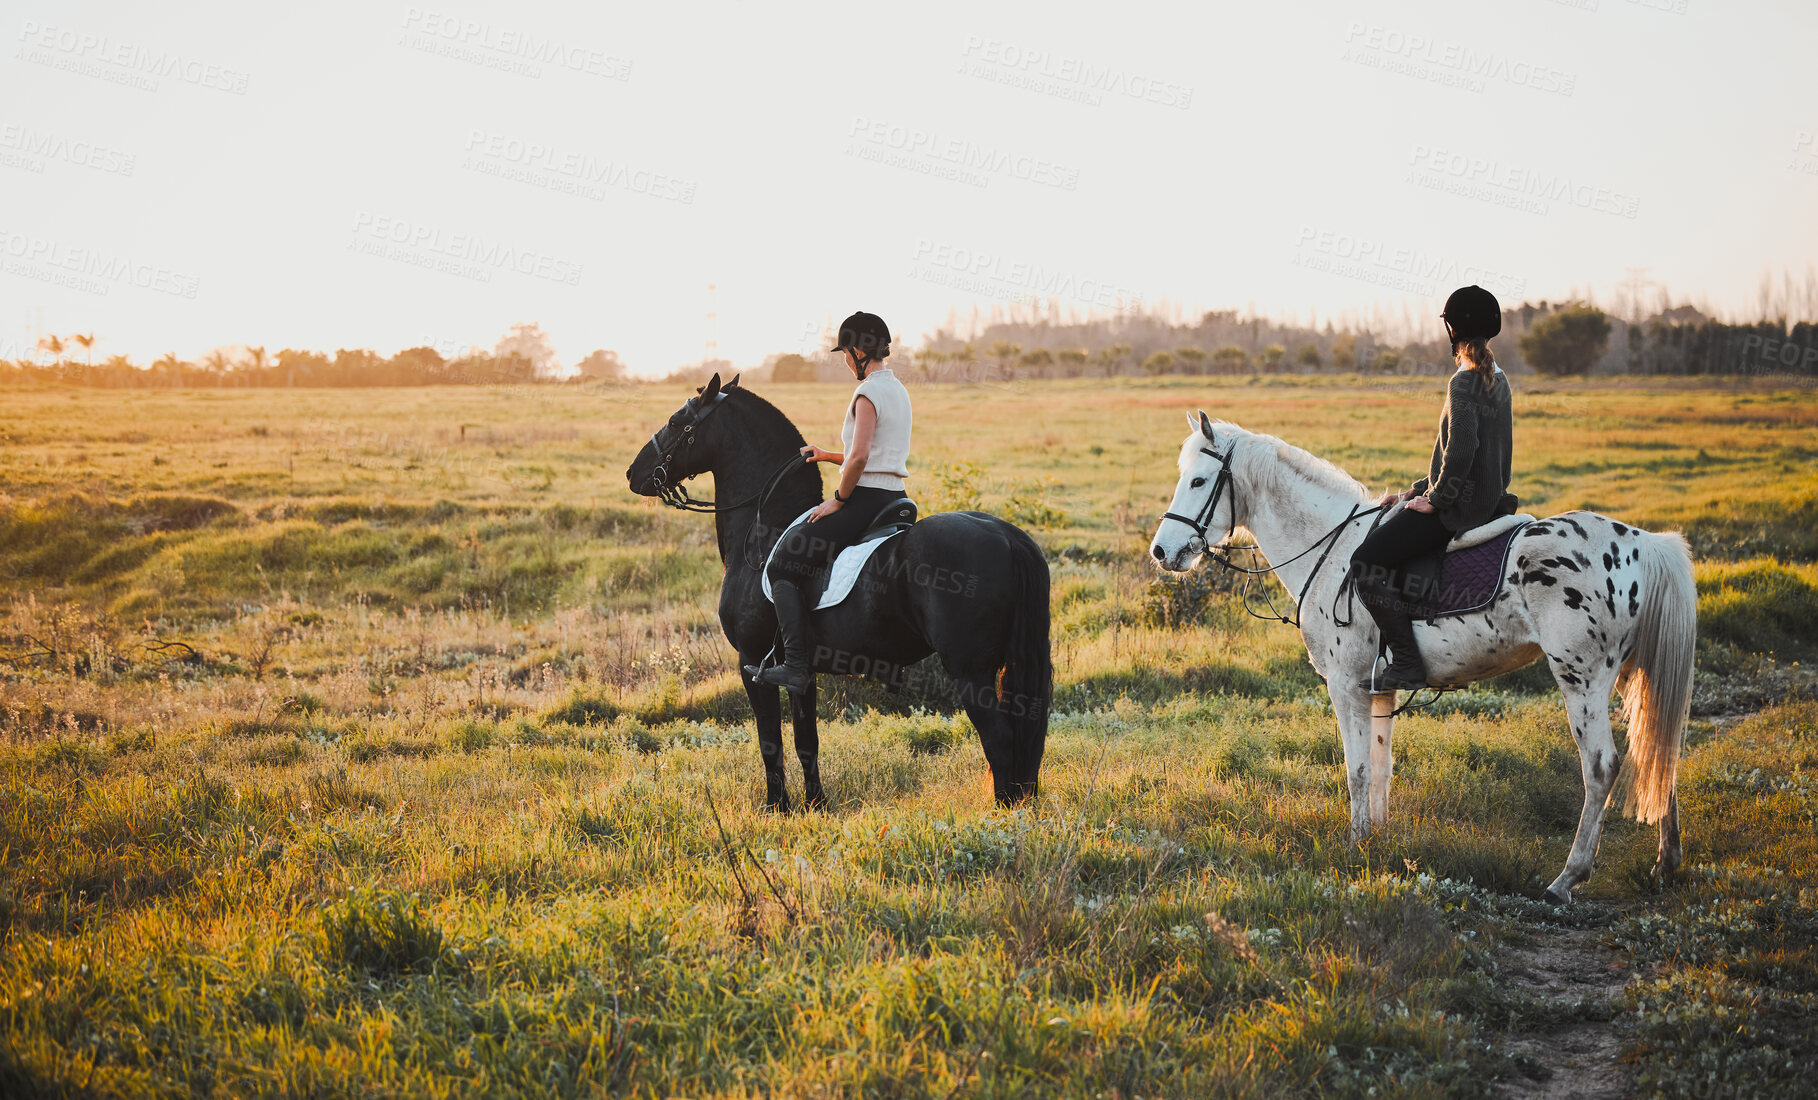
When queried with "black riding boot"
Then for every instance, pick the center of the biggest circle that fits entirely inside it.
(1405, 670)
(792, 617)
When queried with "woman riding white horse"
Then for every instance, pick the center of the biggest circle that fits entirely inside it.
(1609, 606)
(1466, 485)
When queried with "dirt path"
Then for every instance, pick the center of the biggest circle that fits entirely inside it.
(1569, 970)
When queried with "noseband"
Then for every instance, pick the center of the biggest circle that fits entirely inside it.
(1200, 522)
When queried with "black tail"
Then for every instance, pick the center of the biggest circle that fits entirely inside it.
(1027, 684)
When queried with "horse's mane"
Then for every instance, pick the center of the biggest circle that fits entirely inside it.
(1291, 462)
(765, 414)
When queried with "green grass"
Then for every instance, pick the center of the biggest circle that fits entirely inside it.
(361, 754)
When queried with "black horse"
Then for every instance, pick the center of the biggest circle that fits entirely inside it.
(965, 585)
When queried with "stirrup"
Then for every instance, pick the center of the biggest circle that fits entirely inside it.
(1390, 679)
(797, 681)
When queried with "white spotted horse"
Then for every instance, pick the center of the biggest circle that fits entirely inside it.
(966, 586)
(1611, 607)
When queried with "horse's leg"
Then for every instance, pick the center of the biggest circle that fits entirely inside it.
(1669, 839)
(1588, 707)
(1382, 755)
(1351, 706)
(767, 708)
(980, 696)
(808, 748)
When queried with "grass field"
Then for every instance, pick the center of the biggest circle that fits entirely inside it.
(381, 742)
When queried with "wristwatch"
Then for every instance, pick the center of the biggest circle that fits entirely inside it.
(838, 497)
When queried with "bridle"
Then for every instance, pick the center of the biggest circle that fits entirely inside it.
(1199, 543)
(675, 494)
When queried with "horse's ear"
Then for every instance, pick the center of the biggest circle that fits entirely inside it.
(734, 384)
(1205, 425)
(1192, 423)
(711, 389)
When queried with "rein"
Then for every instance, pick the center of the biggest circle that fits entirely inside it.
(677, 495)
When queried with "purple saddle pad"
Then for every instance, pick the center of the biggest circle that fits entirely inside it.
(1463, 580)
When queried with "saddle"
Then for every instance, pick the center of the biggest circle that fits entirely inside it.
(829, 586)
(1467, 573)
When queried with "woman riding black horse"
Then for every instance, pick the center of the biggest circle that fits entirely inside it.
(966, 586)
(1465, 485)
(873, 463)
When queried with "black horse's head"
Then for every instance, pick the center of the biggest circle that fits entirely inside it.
(683, 447)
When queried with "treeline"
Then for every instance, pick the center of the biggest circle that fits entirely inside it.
(422, 366)
(1565, 338)
(1568, 338)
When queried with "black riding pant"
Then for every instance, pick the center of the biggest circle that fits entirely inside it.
(808, 547)
(1378, 561)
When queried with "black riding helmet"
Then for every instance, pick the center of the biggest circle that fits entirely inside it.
(1471, 313)
(867, 337)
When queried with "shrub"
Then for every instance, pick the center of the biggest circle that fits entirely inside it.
(1758, 606)
(382, 932)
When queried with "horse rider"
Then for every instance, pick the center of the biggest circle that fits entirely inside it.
(873, 462)
(1464, 488)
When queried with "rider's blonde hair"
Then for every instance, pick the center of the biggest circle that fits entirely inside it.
(1476, 352)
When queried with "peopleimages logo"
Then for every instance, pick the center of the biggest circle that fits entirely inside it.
(568, 171)
(1064, 76)
(466, 254)
(86, 269)
(933, 153)
(1447, 63)
(23, 147)
(505, 48)
(1011, 279)
(1508, 185)
(1395, 268)
(119, 61)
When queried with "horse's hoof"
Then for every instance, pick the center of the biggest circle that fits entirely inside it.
(777, 805)
(816, 801)
(1554, 897)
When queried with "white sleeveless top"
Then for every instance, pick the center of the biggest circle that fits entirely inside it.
(888, 463)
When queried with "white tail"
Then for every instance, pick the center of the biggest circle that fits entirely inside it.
(1656, 680)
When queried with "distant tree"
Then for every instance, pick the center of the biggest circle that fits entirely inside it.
(172, 366)
(1072, 362)
(218, 363)
(1567, 342)
(1192, 360)
(1270, 358)
(311, 364)
(87, 340)
(601, 366)
(1385, 361)
(1037, 362)
(1112, 357)
(52, 344)
(1230, 359)
(1307, 355)
(358, 367)
(1005, 353)
(418, 366)
(256, 362)
(1344, 351)
(792, 368)
(1160, 362)
(527, 339)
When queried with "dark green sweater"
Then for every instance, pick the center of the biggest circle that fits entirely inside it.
(1470, 469)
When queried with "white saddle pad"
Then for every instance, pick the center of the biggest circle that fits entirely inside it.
(1464, 540)
(844, 572)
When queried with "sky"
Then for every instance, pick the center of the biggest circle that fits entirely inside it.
(384, 175)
